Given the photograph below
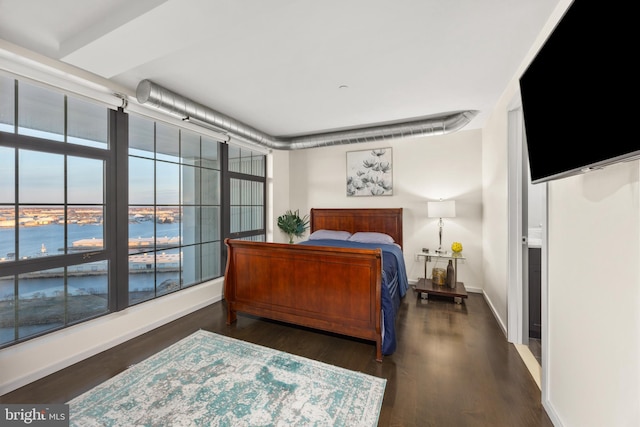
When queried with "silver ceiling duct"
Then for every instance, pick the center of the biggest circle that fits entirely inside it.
(170, 102)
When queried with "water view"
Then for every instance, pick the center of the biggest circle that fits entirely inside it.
(42, 295)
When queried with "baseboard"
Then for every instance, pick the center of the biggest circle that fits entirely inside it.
(495, 313)
(548, 407)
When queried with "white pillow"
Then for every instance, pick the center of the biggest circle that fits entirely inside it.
(371, 237)
(330, 234)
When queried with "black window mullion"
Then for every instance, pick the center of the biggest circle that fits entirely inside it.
(225, 202)
(118, 208)
(155, 209)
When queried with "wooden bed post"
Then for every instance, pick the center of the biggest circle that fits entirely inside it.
(229, 286)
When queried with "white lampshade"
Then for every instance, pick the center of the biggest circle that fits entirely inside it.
(441, 209)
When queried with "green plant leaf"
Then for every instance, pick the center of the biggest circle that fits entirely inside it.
(292, 224)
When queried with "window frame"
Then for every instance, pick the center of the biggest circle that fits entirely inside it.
(20, 266)
(123, 299)
(115, 156)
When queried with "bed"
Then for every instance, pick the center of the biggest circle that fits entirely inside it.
(346, 287)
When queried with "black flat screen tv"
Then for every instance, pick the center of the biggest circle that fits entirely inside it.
(575, 94)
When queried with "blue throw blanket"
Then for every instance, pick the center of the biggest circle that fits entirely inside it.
(394, 283)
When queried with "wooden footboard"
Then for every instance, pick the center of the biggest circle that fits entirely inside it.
(332, 289)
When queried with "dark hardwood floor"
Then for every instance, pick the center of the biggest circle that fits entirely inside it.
(453, 365)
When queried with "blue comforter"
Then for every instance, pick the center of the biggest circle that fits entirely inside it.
(394, 283)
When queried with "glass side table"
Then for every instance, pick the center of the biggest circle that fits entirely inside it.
(425, 285)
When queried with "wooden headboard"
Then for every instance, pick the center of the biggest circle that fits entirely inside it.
(384, 220)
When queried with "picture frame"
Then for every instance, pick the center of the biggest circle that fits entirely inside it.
(370, 172)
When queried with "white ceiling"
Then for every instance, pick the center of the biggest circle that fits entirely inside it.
(278, 65)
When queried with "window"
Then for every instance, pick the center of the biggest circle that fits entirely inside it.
(246, 182)
(174, 209)
(91, 224)
(54, 264)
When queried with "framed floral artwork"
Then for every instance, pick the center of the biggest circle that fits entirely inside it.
(369, 173)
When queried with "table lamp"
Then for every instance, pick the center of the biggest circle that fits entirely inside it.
(441, 209)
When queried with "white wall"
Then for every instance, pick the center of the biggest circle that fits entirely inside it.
(594, 297)
(593, 344)
(277, 193)
(592, 369)
(424, 168)
(495, 212)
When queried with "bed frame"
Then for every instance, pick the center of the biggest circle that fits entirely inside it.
(337, 290)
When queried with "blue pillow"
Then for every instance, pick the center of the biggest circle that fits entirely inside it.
(371, 237)
(329, 234)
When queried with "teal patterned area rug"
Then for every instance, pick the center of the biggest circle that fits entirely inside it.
(208, 379)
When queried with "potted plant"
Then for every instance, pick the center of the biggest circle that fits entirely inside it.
(292, 224)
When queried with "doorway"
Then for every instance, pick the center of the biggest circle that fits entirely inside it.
(532, 279)
(527, 215)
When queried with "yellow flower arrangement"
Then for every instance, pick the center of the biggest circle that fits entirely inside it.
(456, 247)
